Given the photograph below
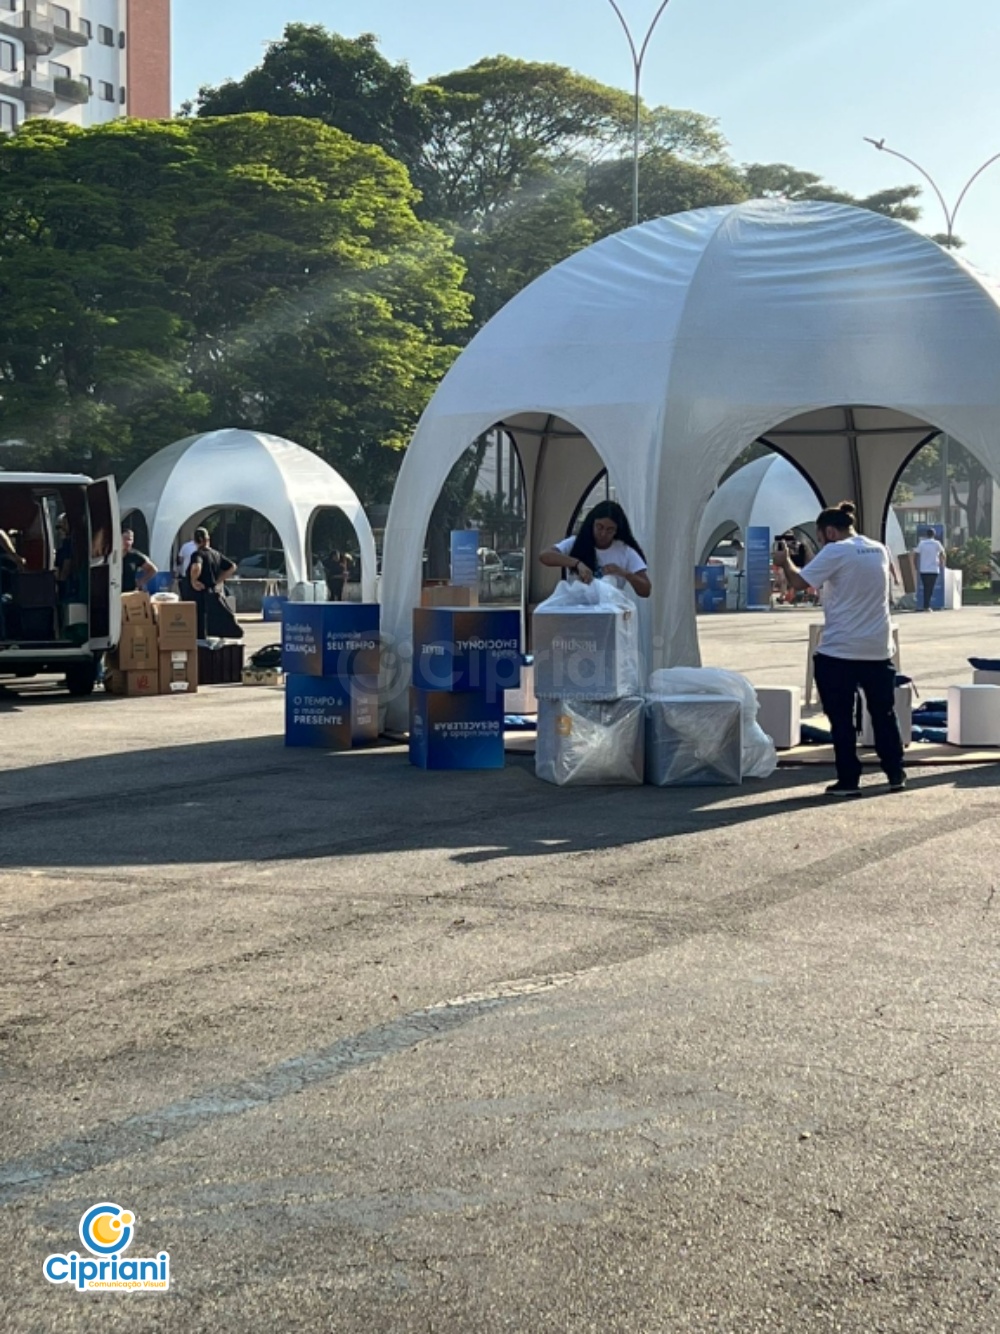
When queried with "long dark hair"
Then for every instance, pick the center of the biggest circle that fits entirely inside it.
(585, 548)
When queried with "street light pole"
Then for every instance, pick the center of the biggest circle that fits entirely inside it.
(949, 214)
(638, 57)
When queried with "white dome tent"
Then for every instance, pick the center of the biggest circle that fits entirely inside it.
(234, 469)
(841, 337)
(769, 493)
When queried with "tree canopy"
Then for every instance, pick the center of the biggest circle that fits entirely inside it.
(162, 278)
(523, 162)
(344, 82)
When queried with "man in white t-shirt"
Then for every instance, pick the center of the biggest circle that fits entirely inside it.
(930, 556)
(603, 549)
(184, 558)
(855, 652)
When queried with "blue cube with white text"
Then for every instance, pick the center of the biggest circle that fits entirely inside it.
(331, 639)
(455, 730)
(463, 648)
(332, 713)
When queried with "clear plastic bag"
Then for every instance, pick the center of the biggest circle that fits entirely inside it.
(590, 742)
(693, 740)
(586, 643)
(760, 759)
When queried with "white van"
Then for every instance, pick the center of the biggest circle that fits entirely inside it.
(60, 592)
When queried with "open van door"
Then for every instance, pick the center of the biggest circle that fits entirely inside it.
(105, 564)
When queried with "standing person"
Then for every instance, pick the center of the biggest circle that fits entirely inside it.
(604, 548)
(184, 560)
(11, 561)
(930, 563)
(336, 576)
(206, 573)
(137, 568)
(855, 652)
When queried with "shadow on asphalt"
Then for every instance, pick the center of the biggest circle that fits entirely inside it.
(255, 800)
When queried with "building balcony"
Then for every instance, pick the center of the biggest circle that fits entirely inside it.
(69, 36)
(71, 90)
(33, 89)
(33, 28)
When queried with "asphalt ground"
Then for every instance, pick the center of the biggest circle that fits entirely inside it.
(371, 1049)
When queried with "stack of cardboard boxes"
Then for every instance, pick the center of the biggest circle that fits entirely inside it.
(330, 656)
(463, 661)
(157, 649)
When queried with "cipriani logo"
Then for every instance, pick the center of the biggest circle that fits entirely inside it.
(106, 1231)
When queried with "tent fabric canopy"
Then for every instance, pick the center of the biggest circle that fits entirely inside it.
(666, 349)
(769, 493)
(236, 469)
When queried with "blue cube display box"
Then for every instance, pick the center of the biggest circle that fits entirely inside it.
(458, 649)
(331, 639)
(331, 713)
(457, 730)
(710, 587)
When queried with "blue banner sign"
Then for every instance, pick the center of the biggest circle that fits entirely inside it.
(465, 558)
(758, 565)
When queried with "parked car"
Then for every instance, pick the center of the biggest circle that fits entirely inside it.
(270, 564)
(490, 563)
(60, 593)
(262, 565)
(513, 562)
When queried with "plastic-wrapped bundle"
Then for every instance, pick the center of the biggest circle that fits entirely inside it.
(693, 741)
(760, 759)
(590, 742)
(585, 639)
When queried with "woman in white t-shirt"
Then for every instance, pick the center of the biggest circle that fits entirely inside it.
(604, 548)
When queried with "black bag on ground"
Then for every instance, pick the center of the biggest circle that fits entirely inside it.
(220, 622)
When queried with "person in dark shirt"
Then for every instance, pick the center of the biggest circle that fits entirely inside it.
(10, 562)
(206, 572)
(336, 576)
(137, 569)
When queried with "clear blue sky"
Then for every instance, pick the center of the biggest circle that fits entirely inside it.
(798, 81)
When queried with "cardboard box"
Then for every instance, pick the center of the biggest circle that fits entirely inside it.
(335, 714)
(586, 653)
(459, 650)
(176, 625)
(263, 676)
(136, 607)
(448, 595)
(137, 648)
(331, 639)
(117, 682)
(456, 730)
(178, 671)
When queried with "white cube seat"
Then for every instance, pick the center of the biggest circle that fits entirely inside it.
(974, 715)
(779, 714)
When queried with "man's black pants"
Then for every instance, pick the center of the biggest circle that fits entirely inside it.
(928, 581)
(838, 681)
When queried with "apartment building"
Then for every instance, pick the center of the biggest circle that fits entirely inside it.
(83, 61)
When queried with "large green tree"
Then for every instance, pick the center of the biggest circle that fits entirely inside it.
(160, 278)
(777, 180)
(344, 82)
(524, 162)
